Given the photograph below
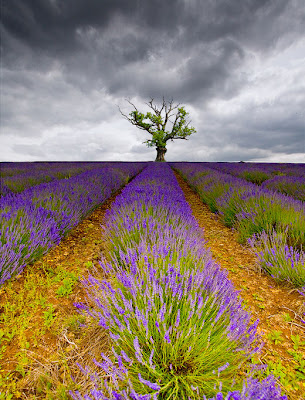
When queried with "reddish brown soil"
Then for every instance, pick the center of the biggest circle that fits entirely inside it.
(256, 288)
(85, 244)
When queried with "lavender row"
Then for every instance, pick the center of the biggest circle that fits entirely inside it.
(8, 169)
(284, 178)
(35, 220)
(176, 324)
(15, 178)
(289, 185)
(270, 169)
(274, 224)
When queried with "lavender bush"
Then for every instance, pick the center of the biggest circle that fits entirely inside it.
(291, 185)
(284, 178)
(255, 176)
(248, 208)
(281, 261)
(37, 219)
(252, 390)
(12, 168)
(30, 174)
(270, 169)
(271, 211)
(4, 190)
(20, 182)
(177, 327)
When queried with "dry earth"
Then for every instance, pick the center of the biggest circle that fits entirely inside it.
(267, 300)
(52, 353)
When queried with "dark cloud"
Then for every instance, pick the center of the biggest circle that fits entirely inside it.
(51, 25)
(68, 62)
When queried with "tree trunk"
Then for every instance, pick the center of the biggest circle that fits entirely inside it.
(160, 153)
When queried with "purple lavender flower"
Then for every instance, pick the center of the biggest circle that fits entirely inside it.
(172, 269)
(36, 219)
(166, 336)
(153, 386)
(138, 352)
(177, 318)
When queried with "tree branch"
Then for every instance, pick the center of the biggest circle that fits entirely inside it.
(134, 121)
(157, 120)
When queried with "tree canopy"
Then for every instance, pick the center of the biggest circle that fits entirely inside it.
(157, 121)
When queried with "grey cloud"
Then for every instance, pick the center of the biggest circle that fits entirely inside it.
(29, 149)
(279, 136)
(107, 43)
(51, 25)
(67, 63)
(141, 149)
(203, 75)
(33, 101)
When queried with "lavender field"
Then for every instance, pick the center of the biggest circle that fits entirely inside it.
(272, 222)
(40, 214)
(176, 326)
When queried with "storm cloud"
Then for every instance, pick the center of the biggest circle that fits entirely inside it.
(238, 67)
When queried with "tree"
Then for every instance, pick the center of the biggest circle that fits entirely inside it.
(155, 124)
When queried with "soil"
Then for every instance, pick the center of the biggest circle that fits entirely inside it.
(266, 299)
(84, 244)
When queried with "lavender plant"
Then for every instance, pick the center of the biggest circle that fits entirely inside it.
(20, 182)
(175, 333)
(16, 177)
(249, 208)
(291, 185)
(177, 327)
(255, 176)
(270, 169)
(284, 178)
(271, 211)
(4, 190)
(37, 219)
(252, 389)
(281, 261)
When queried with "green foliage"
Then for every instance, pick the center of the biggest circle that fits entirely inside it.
(299, 362)
(155, 123)
(255, 176)
(74, 322)
(287, 317)
(66, 288)
(49, 316)
(279, 260)
(290, 377)
(276, 336)
(23, 363)
(297, 342)
(67, 279)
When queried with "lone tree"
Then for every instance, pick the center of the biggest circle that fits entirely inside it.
(155, 124)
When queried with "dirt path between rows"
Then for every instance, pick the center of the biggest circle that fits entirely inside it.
(51, 353)
(276, 306)
(40, 357)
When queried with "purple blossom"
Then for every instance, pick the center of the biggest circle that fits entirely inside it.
(37, 218)
(168, 256)
(138, 352)
(153, 386)
(166, 336)
(178, 318)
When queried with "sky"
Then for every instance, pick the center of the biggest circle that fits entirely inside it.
(237, 66)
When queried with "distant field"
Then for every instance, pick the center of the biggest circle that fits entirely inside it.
(114, 285)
